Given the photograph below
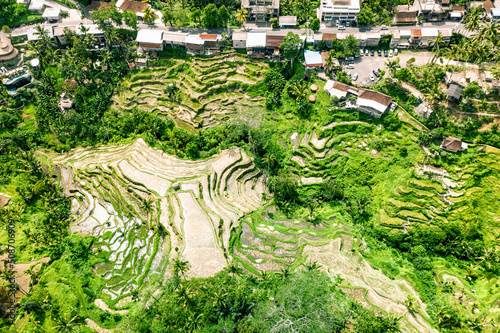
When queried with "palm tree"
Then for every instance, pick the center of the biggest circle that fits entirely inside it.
(392, 65)
(312, 266)
(241, 15)
(64, 324)
(473, 18)
(180, 266)
(149, 15)
(437, 43)
(495, 71)
(269, 159)
(298, 89)
(112, 38)
(284, 272)
(490, 31)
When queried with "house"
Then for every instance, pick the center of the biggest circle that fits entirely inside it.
(174, 39)
(406, 14)
(239, 40)
(194, 44)
(288, 21)
(454, 92)
(95, 5)
(318, 37)
(472, 75)
(488, 6)
(141, 63)
(373, 102)
(446, 33)
(433, 10)
(59, 34)
(313, 58)
(415, 38)
(404, 39)
(273, 42)
(52, 14)
(33, 34)
(453, 144)
(211, 41)
(495, 14)
(137, 7)
(338, 89)
(343, 12)
(24, 2)
(396, 37)
(372, 39)
(261, 10)
(7, 51)
(256, 43)
(458, 13)
(424, 110)
(328, 38)
(150, 40)
(37, 6)
(428, 34)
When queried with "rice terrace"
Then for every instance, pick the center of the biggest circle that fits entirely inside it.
(207, 167)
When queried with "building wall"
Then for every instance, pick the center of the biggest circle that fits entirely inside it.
(239, 44)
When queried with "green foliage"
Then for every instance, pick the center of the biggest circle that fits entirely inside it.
(274, 23)
(210, 16)
(315, 25)
(291, 46)
(365, 16)
(303, 300)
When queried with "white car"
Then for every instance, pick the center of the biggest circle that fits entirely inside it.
(355, 77)
(395, 52)
(350, 66)
(371, 77)
(349, 74)
(390, 53)
(384, 27)
(341, 27)
(367, 52)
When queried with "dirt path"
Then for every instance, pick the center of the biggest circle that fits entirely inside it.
(201, 247)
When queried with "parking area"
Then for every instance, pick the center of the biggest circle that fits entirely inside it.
(364, 65)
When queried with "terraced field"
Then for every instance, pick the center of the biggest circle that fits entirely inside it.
(145, 207)
(267, 241)
(205, 91)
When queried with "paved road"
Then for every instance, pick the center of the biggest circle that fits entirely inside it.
(76, 19)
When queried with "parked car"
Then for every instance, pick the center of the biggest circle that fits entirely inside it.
(384, 27)
(347, 24)
(349, 74)
(361, 51)
(386, 54)
(366, 52)
(376, 73)
(350, 66)
(350, 59)
(371, 77)
(355, 77)
(341, 27)
(379, 53)
(390, 53)
(395, 52)
(372, 53)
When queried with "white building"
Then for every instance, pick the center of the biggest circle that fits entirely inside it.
(428, 34)
(239, 39)
(373, 102)
(337, 89)
(37, 6)
(342, 11)
(256, 41)
(52, 14)
(33, 34)
(173, 39)
(149, 39)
